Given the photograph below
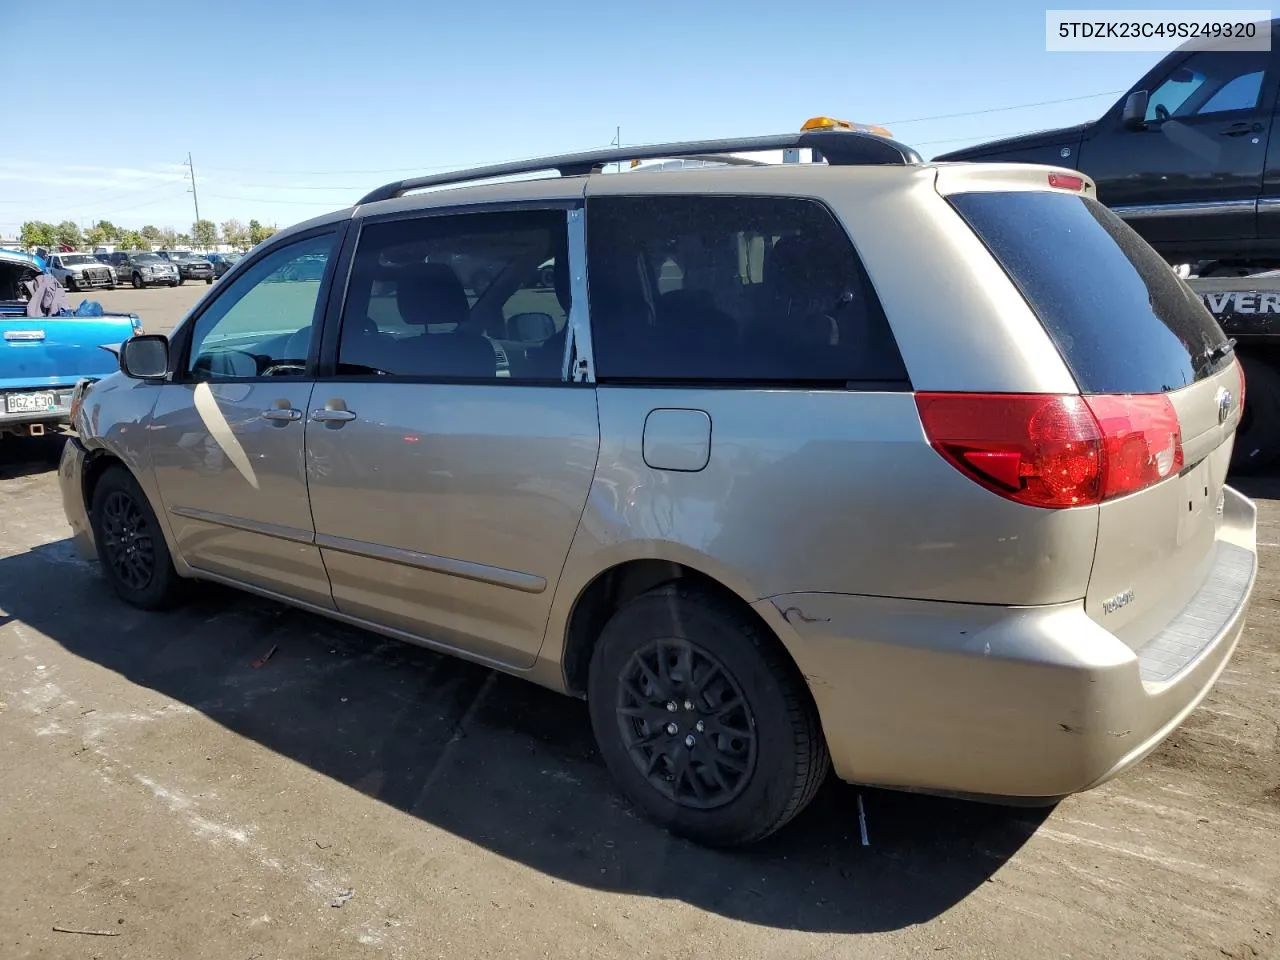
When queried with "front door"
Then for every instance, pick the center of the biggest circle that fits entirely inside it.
(1195, 172)
(449, 461)
(227, 438)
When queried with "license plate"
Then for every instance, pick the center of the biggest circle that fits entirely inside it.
(30, 403)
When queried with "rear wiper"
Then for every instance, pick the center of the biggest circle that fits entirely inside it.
(1220, 351)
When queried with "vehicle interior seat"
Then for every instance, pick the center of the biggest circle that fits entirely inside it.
(808, 313)
(698, 334)
(431, 294)
(547, 359)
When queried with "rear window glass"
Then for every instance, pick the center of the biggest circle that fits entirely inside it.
(732, 290)
(1123, 322)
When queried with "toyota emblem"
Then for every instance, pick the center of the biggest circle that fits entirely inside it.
(1224, 404)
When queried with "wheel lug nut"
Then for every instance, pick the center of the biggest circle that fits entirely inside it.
(688, 704)
(690, 740)
(671, 706)
(672, 729)
(700, 726)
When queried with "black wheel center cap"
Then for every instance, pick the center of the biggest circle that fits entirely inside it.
(686, 724)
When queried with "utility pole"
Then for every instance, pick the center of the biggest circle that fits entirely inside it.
(195, 198)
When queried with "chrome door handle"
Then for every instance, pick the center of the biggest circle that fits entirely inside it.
(332, 416)
(285, 414)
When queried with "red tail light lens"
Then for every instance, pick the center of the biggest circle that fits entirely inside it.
(1055, 451)
(1065, 181)
(1240, 370)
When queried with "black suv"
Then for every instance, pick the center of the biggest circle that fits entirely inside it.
(1189, 156)
(191, 266)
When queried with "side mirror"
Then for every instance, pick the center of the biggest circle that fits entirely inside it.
(1135, 111)
(533, 327)
(145, 357)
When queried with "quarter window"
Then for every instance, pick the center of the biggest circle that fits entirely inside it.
(732, 290)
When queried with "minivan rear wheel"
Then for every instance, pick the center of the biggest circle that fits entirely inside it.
(131, 546)
(702, 719)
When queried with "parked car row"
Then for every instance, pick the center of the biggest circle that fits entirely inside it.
(87, 271)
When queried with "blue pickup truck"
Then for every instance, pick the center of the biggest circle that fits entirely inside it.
(43, 358)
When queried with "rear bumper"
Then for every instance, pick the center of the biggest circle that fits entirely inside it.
(1013, 703)
(58, 415)
(71, 481)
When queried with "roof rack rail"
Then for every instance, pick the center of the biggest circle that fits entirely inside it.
(839, 147)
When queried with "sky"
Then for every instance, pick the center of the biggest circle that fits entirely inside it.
(291, 108)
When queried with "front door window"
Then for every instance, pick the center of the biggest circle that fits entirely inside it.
(262, 326)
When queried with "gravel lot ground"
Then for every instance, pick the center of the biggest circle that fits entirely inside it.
(355, 797)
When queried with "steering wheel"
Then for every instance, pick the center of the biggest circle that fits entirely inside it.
(290, 366)
(1162, 112)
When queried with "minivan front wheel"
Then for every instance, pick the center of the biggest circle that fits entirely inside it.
(130, 543)
(703, 720)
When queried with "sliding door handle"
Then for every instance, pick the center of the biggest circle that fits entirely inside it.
(325, 415)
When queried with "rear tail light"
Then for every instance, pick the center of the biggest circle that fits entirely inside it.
(1240, 370)
(1055, 451)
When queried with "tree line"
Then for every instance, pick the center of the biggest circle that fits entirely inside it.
(203, 234)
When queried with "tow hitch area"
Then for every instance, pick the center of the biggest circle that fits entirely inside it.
(27, 430)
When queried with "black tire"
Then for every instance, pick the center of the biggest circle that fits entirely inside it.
(1257, 443)
(779, 756)
(208, 281)
(111, 285)
(71, 284)
(181, 280)
(131, 546)
(138, 282)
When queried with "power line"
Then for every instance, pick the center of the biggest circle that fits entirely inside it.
(421, 168)
(981, 138)
(475, 163)
(285, 186)
(304, 203)
(1016, 106)
(79, 196)
(168, 198)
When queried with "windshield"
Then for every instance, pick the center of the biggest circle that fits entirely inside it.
(70, 259)
(146, 257)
